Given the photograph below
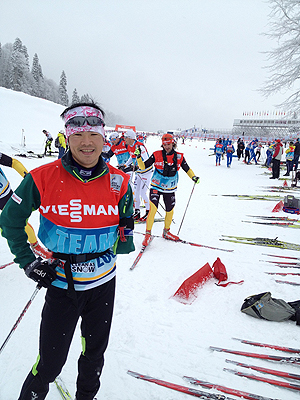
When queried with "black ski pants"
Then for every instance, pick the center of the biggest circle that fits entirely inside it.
(275, 168)
(59, 319)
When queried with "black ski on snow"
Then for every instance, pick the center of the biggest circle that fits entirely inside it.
(290, 360)
(225, 389)
(276, 223)
(269, 346)
(183, 389)
(139, 256)
(287, 282)
(262, 242)
(275, 218)
(274, 382)
(190, 243)
(273, 255)
(288, 264)
(282, 374)
(62, 389)
(253, 197)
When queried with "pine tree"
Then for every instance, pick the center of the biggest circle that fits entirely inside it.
(18, 66)
(38, 78)
(75, 97)
(63, 94)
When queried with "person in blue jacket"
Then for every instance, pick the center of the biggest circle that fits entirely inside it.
(229, 152)
(253, 145)
(219, 151)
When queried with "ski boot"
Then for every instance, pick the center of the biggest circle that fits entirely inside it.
(136, 214)
(147, 238)
(168, 235)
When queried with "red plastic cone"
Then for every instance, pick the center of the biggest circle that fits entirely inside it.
(285, 183)
(187, 292)
(278, 207)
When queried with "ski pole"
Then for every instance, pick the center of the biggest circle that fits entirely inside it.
(186, 208)
(6, 265)
(20, 317)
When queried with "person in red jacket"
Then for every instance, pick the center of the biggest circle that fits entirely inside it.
(167, 163)
(276, 158)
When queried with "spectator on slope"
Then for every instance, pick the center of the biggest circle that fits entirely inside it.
(253, 146)
(278, 151)
(289, 158)
(85, 210)
(229, 152)
(167, 163)
(219, 151)
(61, 142)
(49, 140)
(247, 153)
(240, 148)
(296, 154)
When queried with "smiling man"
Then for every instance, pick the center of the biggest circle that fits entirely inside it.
(86, 211)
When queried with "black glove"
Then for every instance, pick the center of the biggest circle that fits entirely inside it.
(42, 272)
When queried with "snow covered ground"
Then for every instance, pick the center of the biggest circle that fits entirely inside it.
(152, 333)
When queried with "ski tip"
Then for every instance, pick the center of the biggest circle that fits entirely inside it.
(215, 348)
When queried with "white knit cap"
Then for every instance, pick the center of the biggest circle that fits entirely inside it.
(130, 134)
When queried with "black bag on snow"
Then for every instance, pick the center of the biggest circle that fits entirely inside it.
(263, 306)
(56, 143)
(291, 204)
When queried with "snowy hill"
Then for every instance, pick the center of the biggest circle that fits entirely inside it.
(152, 333)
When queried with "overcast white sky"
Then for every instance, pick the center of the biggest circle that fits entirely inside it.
(161, 64)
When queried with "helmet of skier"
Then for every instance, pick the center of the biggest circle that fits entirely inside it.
(167, 138)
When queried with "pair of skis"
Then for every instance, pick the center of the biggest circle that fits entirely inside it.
(261, 242)
(199, 393)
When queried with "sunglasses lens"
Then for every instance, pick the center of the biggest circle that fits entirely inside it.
(81, 121)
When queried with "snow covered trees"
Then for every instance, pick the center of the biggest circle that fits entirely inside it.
(15, 74)
(63, 94)
(284, 65)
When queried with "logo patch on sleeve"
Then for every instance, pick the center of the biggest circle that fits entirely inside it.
(16, 198)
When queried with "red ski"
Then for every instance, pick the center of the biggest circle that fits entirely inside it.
(183, 389)
(225, 389)
(262, 379)
(140, 255)
(291, 360)
(190, 243)
(282, 374)
(270, 346)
